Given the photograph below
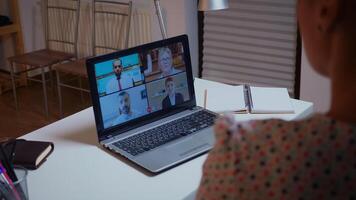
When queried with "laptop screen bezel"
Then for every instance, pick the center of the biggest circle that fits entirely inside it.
(105, 133)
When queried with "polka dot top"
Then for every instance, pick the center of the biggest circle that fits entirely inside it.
(275, 159)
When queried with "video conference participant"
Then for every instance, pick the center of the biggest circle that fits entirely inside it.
(165, 62)
(125, 111)
(172, 97)
(121, 80)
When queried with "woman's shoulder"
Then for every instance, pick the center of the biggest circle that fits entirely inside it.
(310, 128)
(265, 155)
(315, 131)
(313, 124)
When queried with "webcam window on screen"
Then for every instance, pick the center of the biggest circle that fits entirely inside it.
(141, 83)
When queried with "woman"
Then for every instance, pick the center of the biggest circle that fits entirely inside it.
(173, 98)
(310, 159)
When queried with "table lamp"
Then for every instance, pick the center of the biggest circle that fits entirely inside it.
(204, 5)
(209, 5)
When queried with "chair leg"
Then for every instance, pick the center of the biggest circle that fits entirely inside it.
(59, 95)
(13, 84)
(51, 77)
(28, 81)
(44, 91)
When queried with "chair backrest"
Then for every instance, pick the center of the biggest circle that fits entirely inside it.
(61, 24)
(111, 26)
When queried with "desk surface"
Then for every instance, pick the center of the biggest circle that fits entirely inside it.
(80, 169)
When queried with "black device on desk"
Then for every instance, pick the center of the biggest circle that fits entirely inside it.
(151, 118)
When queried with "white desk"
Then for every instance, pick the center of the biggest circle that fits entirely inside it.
(80, 169)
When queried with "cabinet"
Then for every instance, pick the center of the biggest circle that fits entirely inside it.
(14, 30)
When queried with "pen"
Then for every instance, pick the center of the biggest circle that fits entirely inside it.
(2, 176)
(5, 191)
(9, 182)
(7, 164)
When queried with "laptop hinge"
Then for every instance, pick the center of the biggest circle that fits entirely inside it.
(195, 108)
(108, 139)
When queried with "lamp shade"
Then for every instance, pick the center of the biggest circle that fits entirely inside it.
(208, 5)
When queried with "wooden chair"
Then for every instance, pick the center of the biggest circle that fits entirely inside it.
(61, 32)
(111, 28)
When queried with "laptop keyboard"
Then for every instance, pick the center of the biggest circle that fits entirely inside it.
(165, 133)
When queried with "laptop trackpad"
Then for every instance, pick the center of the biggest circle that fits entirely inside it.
(188, 146)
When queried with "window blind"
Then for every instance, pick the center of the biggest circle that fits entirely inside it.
(253, 42)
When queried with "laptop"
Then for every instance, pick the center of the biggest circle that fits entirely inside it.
(144, 105)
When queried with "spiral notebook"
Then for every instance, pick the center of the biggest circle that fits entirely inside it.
(248, 99)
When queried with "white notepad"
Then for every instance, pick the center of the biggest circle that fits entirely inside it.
(219, 100)
(270, 100)
(246, 99)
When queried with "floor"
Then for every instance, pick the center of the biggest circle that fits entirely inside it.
(30, 115)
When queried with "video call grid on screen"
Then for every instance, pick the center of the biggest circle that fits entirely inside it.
(141, 83)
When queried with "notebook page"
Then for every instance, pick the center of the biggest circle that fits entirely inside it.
(226, 98)
(270, 100)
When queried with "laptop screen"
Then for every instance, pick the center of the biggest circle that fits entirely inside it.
(140, 83)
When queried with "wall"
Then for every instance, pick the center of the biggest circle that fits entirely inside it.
(181, 18)
(30, 11)
(314, 87)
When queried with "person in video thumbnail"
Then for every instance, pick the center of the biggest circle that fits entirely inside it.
(125, 111)
(172, 97)
(121, 80)
(165, 62)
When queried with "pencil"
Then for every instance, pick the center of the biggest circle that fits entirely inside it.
(205, 97)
